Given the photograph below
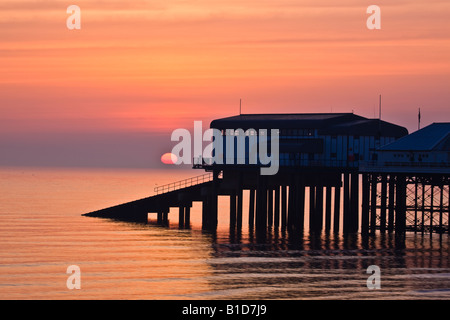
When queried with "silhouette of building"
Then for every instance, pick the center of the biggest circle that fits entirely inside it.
(339, 140)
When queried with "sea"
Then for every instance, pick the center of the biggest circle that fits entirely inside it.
(43, 235)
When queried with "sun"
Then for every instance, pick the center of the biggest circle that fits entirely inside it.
(169, 158)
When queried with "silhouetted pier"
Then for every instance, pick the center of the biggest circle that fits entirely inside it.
(336, 171)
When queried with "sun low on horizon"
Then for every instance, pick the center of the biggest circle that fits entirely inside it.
(136, 70)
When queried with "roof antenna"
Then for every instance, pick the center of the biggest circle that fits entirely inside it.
(418, 118)
(379, 115)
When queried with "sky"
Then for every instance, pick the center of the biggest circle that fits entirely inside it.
(111, 93)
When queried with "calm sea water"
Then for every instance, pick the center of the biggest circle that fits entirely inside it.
(42, 232)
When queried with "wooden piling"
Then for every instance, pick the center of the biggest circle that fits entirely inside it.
(337, 209)
(373, 202)
(270, 207)
(391, 204)
(187, 216)
(423, 207)
(300, 207)
(292, 209)
(165, 216)
(346, 199)
(159, 217)
(416, 204)
(239, 209)
(284, 200)
(383, 205)
(400, 212)
(213, 203)
(276, 216)
(251, 209)
(328, 209)
(312, 207)
(318, 221)
(431, 207)
(354, 203)
(233, 210)
(181, 216)
(261, 203)
(365, 204)
(205, 213)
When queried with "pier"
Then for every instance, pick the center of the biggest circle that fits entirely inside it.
(337, 172)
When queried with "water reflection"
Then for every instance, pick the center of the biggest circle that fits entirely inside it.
(278, 264)
(327, 265)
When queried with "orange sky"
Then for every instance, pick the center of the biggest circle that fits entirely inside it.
(153, 66)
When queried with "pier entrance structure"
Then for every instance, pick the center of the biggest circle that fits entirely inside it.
(324, 159)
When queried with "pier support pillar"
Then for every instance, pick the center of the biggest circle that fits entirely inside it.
(284, 201)
(239, 207)
(233, 210)
(187, 216)
(165, 216)
(391, 203)
(181, 216)
(318, 220)
(205, 213)
(292, 211)
(365, 203)
(354, 203)
(328, 209)
(159, 217)
(270, 207)
(346, 199)
(337, 209)
(251, 209)
(383, 203)
(261, 203)
(300, 207)
(373, 202)
(400, 212)
(416, 203)
(423, 207)
(276, 216)
(312, 207)
(431, 207)
(213, 203)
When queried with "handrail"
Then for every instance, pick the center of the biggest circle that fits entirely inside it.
(184, 183)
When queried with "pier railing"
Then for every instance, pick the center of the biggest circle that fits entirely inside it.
(184, 183)
(411, 167)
